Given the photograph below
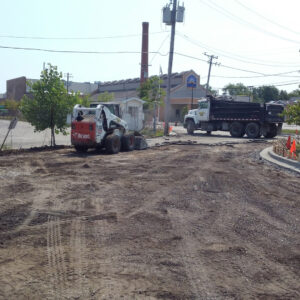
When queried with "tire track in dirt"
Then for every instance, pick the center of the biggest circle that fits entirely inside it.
(195, 270)
(77, 254)
(56, 255)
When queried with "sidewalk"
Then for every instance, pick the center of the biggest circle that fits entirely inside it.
(283, 162)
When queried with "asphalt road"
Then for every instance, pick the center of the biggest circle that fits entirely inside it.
(23, 136)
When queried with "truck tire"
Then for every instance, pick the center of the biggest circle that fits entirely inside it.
(190, 127)
(81, 149)
(237, 129)
(272, 132)
(127, 142)
(252, 130)
(112, 144)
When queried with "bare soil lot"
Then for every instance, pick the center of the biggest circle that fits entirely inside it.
(175, 222)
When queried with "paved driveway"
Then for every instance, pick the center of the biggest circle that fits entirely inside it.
(23, 136)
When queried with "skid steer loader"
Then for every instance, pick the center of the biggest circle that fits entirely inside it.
(99, 128)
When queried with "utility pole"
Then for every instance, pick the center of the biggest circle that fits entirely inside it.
(68, 80)
(167, 102)
(170, 17)
(211, 57)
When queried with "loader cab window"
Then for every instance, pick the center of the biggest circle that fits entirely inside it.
(203, 105)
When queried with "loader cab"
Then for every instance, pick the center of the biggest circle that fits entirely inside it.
(113, 107)
(203, 110)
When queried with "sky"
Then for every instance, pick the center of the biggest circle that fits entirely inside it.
(253, 40)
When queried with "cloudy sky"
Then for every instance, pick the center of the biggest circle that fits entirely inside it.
(257, 41)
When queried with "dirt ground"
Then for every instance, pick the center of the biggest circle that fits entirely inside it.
(173, 222)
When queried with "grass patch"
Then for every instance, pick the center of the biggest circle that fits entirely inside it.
(148, 133)
(289, 131)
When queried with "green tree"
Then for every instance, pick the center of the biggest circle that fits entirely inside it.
(12, 106)
(294, 93)
(265, 93)
(292, 113)
(236, 89)
(50, 104)
(79, 99)
(151, 92)
(283, 95)
(212, 91)
(106, 97)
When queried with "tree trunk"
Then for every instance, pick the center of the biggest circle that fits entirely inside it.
(52, 137)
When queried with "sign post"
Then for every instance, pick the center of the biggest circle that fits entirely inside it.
(11, 126)
(191, 82)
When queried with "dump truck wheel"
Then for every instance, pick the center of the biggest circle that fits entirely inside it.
(112, 144)
(272, 132)
(127, 142)
(252, 130)
(190, 127)
(237, 129)
(80, 148)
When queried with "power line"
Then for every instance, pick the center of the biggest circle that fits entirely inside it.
(224, 66)
(265, 18)
(278, 84)
(159, 48)
(76, 38)
(260, 76)
(79, 52)
(201, 45)
(233, 17)
(138, 52)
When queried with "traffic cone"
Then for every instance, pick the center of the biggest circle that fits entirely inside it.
(288, 142)
(293, 149)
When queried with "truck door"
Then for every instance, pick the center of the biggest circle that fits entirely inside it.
(203, 110)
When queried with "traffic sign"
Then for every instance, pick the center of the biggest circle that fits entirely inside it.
(191, 81)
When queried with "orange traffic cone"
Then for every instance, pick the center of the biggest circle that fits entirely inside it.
(293, 149)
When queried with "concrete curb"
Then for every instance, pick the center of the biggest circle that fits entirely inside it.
(283, 162)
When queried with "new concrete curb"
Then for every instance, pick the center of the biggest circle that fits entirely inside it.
(283, 162)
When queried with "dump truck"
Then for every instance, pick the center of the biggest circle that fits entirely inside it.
(239, 118)
(98, 128)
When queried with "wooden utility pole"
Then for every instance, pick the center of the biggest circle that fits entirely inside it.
(211, 57)
(167, 101)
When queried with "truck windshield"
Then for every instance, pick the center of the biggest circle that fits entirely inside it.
(203, 105)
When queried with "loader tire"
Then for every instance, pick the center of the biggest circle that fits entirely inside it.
(127, 142)
(252, 130)
(112, 144)
(237, 129)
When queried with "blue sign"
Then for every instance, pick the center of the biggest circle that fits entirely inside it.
(191, 81)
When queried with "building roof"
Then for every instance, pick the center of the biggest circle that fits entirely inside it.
(127, 88)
